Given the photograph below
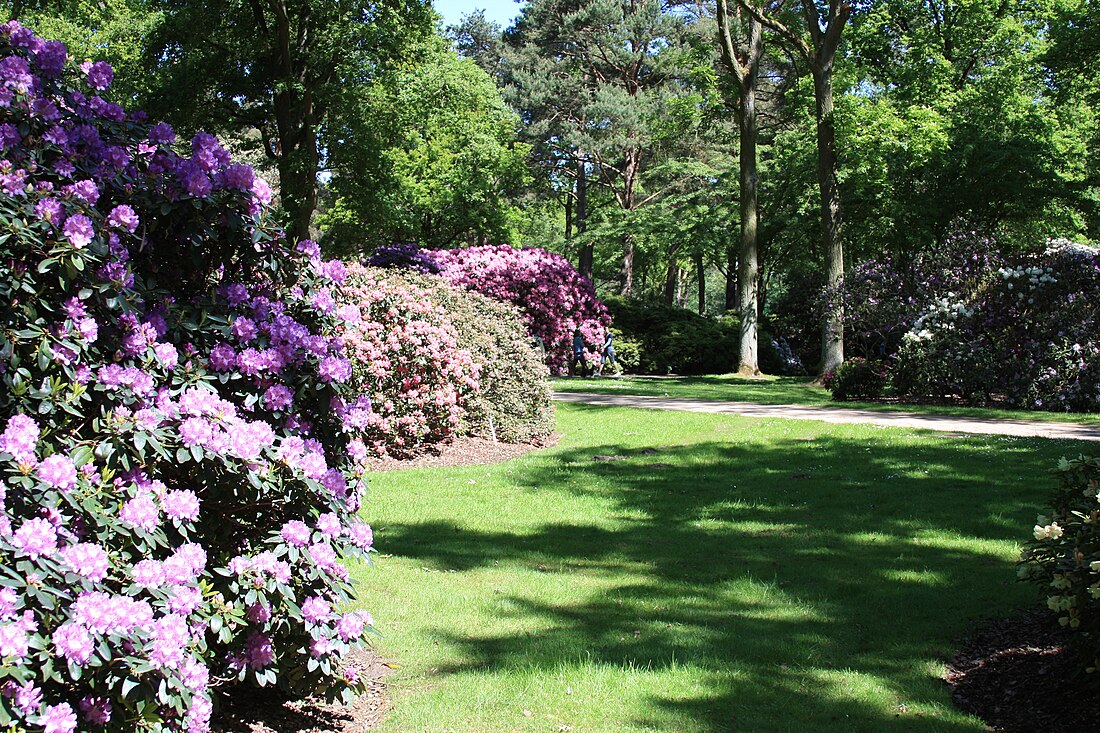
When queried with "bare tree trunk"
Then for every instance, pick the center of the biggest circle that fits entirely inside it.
(630, 171)
(581, 216)
(744, 63)
(701, 282)
(832, 334)
(569, 198)
(817, 43)
(731, 278)
(296, 123)
(748, 307)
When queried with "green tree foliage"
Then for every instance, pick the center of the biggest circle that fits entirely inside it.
(274, 74)
(115, 31)
(952, 120)
(426, 154)
(596, 81)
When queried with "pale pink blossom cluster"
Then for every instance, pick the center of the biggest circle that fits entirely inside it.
(406, 360)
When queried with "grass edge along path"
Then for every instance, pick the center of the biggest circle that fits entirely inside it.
(847, 415)
(770, 390)
(719, 573)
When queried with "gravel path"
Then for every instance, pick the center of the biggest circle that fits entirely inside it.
(941, 423)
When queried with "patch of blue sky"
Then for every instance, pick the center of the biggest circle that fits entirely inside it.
(502, 12)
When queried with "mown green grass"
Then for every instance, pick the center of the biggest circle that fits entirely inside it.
(730, 574)
(789, 391)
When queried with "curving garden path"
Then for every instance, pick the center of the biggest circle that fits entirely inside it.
(942, 423)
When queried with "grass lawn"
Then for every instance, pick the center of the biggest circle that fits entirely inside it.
(787, 391)
(730, 574)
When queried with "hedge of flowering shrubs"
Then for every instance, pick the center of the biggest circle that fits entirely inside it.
(1028, 336)
(439, 361)
(179, 445)
(883, 298)
(971, 325)
(1064, 558)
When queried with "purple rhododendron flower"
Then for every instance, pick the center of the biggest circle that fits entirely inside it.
(123, 217)
(78, 230)
(182, 504)
(96, 710)
(162, 134)
(20, 437)
(315, 609)
(100, 74)
(334, 369)
(87, 559)
(14, 643)
(73, 642)
(295, 533)
(141, 512)
(58, 471)
(36, 537)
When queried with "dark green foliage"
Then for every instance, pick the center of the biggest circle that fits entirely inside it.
(673, 340)
(857, 378)
(1064, 558)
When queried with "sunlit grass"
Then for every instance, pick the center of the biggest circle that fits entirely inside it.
(728, 575)
(788, 391)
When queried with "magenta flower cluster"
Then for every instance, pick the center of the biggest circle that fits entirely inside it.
(553, 296)
(181, 448)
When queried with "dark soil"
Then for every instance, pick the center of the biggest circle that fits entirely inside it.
(469, 451)
(1022, 675)
(258, 710)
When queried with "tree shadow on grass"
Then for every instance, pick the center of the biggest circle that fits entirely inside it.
(813, 583)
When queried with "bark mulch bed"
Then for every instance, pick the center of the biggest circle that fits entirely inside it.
(268, 711)
(258, 710)
(1022, 675)
(468, 451)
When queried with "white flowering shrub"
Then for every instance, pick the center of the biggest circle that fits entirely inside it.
(1064, 558)
(180, 470)
(1028, 336)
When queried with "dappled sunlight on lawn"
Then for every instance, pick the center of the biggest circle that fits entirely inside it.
(725, 574)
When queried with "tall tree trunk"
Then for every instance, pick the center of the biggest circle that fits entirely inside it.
(569, 198)
(832, 334)
(581, 217)
(671, 282)
(819, 52)
(731, 278)
(701, 281)
(748, 307)
(744, 64)
(672, 275)
(296, 124)
(630, 172)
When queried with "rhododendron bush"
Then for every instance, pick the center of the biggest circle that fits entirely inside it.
(512, 401)
(180, 448)
(1028, 335)
(1063, 558)
(407, 361)
(553, 296)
